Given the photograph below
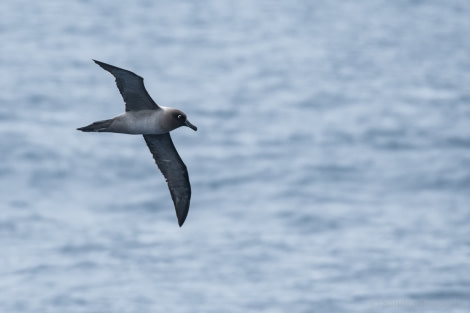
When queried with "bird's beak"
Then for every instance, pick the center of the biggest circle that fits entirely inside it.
(187, 123)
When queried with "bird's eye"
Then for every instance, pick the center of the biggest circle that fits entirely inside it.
(180, 116)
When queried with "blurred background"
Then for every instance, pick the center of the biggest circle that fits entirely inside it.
(330, 171)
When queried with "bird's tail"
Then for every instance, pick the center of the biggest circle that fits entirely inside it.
(99, 126)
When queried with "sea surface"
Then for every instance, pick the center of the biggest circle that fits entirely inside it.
(330, 171)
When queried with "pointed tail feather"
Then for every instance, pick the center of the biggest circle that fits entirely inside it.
(98, 126)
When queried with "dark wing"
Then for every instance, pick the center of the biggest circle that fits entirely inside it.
(131, 87)
(174, 170)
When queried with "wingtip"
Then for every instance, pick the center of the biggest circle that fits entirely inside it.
(182, 209)
(99, 62)
(181, 216)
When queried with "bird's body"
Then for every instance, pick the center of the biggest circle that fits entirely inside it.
(144, 117)
(138, 123)
(143, 122)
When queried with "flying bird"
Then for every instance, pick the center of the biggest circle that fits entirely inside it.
(144, 117)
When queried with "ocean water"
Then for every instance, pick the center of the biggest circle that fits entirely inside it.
(330, 171)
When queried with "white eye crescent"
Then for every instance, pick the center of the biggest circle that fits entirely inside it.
(180, 116)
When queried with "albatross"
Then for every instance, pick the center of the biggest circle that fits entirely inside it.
(145, 117)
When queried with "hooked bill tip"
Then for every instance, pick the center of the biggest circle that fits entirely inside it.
(193, 127)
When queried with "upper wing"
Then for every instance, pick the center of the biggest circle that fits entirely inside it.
(174, 170)
(131, 87)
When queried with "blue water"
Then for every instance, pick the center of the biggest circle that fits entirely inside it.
(330, 171)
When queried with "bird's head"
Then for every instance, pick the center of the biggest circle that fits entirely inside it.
(178, 118)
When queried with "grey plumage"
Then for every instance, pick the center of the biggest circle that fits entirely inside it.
(96, 126)
(144, 116)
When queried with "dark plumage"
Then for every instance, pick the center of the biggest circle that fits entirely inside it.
(143, 116)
